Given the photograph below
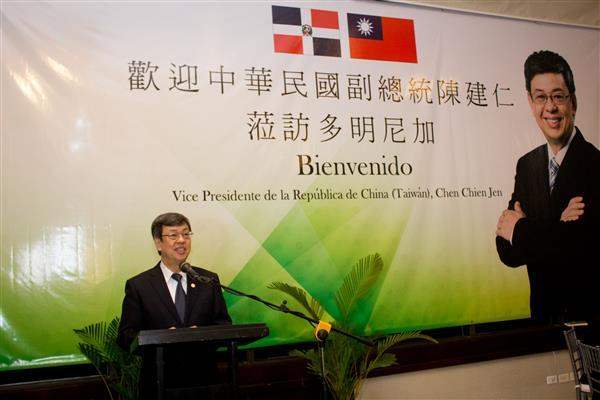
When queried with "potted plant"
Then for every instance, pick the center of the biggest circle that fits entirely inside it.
(118, 369)
(348, 362)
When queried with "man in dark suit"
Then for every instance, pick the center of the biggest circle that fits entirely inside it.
(552, 221)
(164, 297)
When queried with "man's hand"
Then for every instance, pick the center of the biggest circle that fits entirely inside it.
(574, 210)
(507, 221)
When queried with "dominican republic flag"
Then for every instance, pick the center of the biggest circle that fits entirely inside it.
(382, 38)
(306, 31)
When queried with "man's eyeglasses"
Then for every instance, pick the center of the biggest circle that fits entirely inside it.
(175, 236)
(557, 98)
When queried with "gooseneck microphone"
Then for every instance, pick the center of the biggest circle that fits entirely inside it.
(187, 268)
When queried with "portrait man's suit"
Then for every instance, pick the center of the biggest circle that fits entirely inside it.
(149, 305)
(562, 258)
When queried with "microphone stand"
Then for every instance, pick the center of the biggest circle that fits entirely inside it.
(322, 335)
(283, 308)
(321, 347)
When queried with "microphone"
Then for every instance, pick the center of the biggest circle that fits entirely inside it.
(322, 331)
(187, 268)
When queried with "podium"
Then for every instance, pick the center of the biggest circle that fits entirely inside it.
(157, 342)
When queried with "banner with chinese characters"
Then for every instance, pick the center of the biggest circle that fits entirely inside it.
(297, 138)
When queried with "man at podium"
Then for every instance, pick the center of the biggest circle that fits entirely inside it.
(164, 297)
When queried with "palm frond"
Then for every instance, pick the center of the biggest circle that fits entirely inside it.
(385, 360)
(94, 355)
(313, 308)
(357, 283)
(383, 344)
(94, 334)
(316, 306)
(379, 358)
(112, 330)
(119, 369)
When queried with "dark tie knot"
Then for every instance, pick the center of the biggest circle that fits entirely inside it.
(177, 277)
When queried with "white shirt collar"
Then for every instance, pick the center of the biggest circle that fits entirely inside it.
(172, 283)
(167, 274)
(562, 152)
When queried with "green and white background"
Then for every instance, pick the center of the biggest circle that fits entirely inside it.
(87, 164)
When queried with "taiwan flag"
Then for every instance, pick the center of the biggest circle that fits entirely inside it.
(382, 38)
(306, 31)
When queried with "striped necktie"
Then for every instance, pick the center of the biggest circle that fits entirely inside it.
(553, 172)
(179, 297)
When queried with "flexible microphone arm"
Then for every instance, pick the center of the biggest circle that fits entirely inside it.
(187, 268)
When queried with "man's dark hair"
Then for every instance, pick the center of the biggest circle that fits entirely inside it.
(546, 61)
(168, 219)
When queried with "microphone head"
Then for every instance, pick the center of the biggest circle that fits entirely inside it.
(185, 267)
(322, 334)
(322, 330)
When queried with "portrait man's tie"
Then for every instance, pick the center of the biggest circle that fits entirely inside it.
(553, 172)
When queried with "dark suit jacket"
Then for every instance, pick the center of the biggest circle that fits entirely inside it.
(561, 257)
(148, 305)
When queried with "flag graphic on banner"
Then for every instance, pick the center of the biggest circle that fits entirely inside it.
(306, 31)
(382, 38)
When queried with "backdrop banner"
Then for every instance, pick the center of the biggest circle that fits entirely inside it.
(297, 137)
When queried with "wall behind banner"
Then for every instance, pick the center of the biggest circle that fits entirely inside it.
(110, 113)
(575, 12)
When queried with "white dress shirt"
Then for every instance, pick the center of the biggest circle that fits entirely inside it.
(172, 283)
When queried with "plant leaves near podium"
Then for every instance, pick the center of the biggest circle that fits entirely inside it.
(119, 369)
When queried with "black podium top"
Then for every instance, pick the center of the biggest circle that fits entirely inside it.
(214, 334)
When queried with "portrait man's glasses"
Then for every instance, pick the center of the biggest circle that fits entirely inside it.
(557, 98)
(175, 236)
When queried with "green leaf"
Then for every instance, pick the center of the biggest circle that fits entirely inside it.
(119, 369)
(357, 283)
(94, 355)
(313, 308)
(385, 360)
(92, 334)
(386, 342)
(379, 358)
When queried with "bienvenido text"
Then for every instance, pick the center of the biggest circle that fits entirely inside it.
(311, 165)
